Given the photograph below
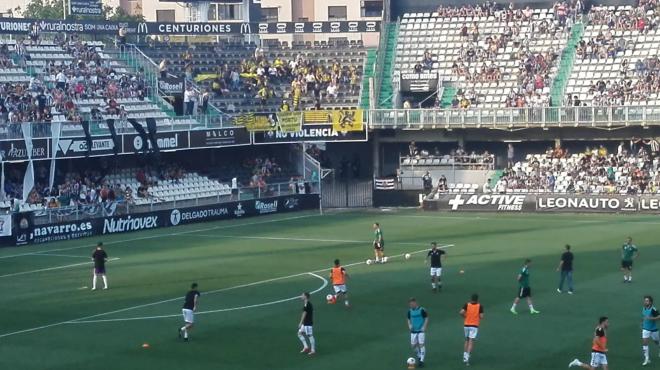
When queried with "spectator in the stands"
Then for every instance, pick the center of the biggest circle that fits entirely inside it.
(163, 68)
(284, 107)
(486, 189)
(427, 181)
(205, 101)
(412, 149)
(510, 154)
(189, 97)
(442, 184)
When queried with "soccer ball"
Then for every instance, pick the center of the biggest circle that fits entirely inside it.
(369, 262)
(411, 363)
(407, 256)
(384, 259)
(330, 298)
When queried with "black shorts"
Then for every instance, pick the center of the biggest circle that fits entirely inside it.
(626, 265)
(524, 292)
(379, 246)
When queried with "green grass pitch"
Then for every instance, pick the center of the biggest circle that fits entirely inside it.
(250, 270)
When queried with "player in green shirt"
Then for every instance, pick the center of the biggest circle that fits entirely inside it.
(628, 253)
(379, 244)
(524, 290)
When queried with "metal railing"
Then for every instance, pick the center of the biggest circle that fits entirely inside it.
(505, 118)
(152, 203)
(13, 131)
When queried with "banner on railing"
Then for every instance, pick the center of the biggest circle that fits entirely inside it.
(221, 137)
(22, 25)
(256, 122)
(347, 120)
(419, 82)
(167, 140)
(171, 86)
(385, 184)
(289, 121)
(317, 116)
(310, 133)
(31, 233)
(16, 151)
(576, 203)
(76, 147)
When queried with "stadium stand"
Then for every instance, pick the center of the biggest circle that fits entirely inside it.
(617, 60)
(71, 82)
(245, 78)
(485, 56)
(594, 171)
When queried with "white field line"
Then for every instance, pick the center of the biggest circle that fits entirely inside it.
(86, 318)
(53, 268)
(323, 286)
(60, 255)
(468, 217)
(296, 239)
(219, 227)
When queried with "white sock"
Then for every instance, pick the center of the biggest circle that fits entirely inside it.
(467, 356)
(531, 307)
(377, 260)
(302, 340)
(513, 307)
(312, 343)
(464, 356)
(645, 351)
(94, 282)
(433, 285)
(105, 282)
(422, 353)
(185, 332)
(346, 302)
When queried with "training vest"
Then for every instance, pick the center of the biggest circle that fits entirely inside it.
(472, 315)
(338, 277)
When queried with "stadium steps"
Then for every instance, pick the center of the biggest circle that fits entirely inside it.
(386, 89)
(135, 64)
(566, 65)
(448, 93)
(368, 73)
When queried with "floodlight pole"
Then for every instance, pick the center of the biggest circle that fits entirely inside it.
(64, 9)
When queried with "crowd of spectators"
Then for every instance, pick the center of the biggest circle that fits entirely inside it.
(637, 79)
(258, 77)
(632, 169)
(56, 89)
(479, 60)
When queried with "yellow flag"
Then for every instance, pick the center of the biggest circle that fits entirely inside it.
(317, 116)
(347, 120)
(289, 121)
(254, 122)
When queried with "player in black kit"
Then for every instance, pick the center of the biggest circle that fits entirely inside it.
(436, 256)
(189, 308)
(305, 330)
(100, 258)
